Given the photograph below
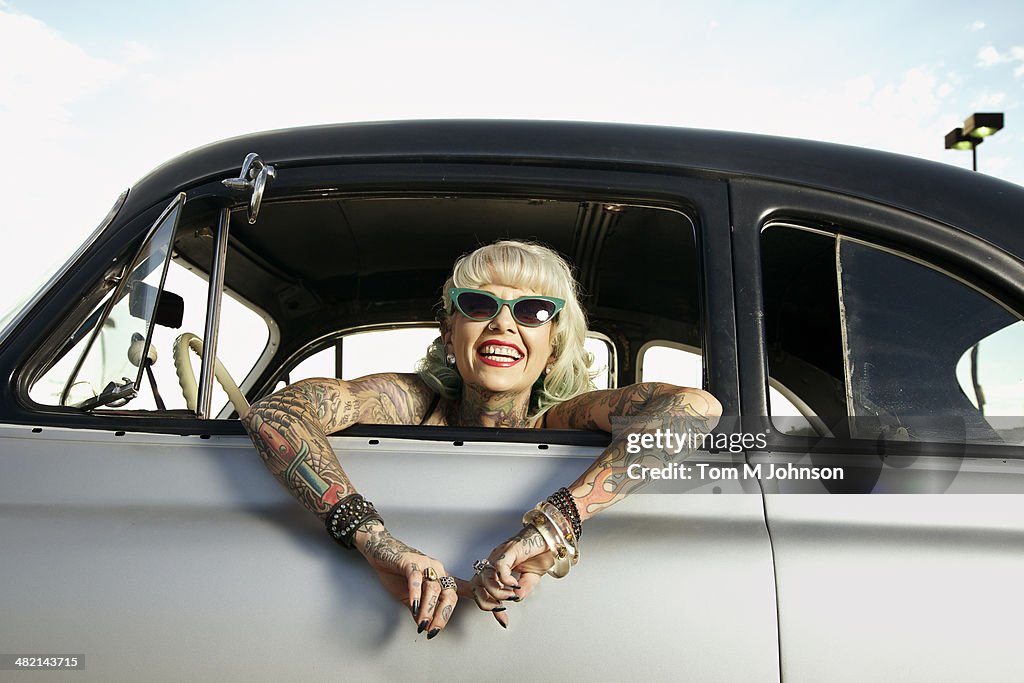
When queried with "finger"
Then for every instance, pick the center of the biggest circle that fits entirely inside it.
(527, 582)
(484, 600)
(414, 579)
(445, 606)
(503, 568)
(525, 545)
(501, 616)
(502, 590)
(429, 596)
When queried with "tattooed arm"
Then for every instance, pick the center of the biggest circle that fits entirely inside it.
(605, 482)
(289, 429)
(650, 405)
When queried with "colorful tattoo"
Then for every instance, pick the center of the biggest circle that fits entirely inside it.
(290, 428)
(652, 405)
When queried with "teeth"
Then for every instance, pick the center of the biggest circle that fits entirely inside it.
(500, 351)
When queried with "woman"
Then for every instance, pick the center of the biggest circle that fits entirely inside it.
(510, 354)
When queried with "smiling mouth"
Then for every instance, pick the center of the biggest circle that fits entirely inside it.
(499, 355)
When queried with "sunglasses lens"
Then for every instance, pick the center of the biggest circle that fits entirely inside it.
(477, 306)
(534, 311)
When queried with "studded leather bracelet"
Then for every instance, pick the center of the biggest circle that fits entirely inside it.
(347, 516)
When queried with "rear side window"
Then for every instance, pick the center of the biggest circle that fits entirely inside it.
(879, 345)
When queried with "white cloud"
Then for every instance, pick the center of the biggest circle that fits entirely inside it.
(989, 100)
(977, 26)
(136, 52)
(41, 74)
(43, 78)
(905, 115)
(859, 89)
(989, 56)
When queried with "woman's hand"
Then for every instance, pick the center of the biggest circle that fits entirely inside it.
(524, 554)
(410, 576)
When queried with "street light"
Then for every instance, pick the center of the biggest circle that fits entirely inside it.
(976, 128)
(983, 125)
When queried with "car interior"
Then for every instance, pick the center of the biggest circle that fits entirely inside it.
(346, 285)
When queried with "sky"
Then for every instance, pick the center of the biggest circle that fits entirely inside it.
(94, 95)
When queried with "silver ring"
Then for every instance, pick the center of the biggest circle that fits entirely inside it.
(480, 565)
(447, 583)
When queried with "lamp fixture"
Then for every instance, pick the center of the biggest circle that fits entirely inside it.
(956, 139)
(983, 125)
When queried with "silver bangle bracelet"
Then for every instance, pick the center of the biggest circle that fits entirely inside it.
(538, 521)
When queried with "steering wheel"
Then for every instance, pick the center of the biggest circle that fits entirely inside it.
(187, 378)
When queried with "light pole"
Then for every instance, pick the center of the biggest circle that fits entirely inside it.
(976, 128)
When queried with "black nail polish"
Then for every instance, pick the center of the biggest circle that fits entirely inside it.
(415, 607)
(515, 598)
(503, 624)
(498, 609)
(423, 625)
(433, 632)
(518, 587)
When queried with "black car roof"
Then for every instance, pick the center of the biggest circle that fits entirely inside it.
(973, 202)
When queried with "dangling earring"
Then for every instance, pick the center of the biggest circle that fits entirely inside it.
(449, 360)
(547, 370)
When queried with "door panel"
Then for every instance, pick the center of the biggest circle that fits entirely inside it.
(156, 554)
(898, 587)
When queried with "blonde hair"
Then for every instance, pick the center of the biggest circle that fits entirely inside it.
(525, 265)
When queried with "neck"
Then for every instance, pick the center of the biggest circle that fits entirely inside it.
(482, 408)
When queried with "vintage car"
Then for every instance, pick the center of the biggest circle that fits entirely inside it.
(858, 314)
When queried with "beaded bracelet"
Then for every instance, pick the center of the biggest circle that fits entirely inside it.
(566, 504)
(347, 515)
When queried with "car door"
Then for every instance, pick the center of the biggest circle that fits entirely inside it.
(156, 544)
(898, 338)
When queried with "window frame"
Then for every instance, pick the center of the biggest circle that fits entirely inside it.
(703, 200)
(757, 204)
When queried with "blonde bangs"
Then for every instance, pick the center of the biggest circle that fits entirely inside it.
(509, 263)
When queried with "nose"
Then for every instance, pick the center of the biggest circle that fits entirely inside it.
(504, 320)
